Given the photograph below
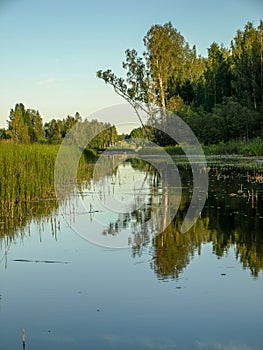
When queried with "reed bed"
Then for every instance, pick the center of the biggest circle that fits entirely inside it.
(27, 183)
(26, 178)
(26, 172)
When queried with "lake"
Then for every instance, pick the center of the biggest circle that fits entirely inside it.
(94, 270)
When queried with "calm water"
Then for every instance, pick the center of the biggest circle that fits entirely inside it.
(198, 290)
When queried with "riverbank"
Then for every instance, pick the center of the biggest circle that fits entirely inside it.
(253, 148)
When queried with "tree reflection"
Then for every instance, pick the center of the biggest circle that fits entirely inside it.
(232, 216)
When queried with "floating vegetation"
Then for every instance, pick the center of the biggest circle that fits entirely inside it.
(40, 261)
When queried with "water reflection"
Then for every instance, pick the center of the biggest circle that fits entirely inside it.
(127, 202)
(113, 207)
(231, 218)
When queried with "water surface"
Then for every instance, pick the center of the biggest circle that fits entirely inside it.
(199, 290)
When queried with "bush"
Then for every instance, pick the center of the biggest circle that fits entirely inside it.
(254, 148)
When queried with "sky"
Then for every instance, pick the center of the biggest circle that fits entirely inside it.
(51, 50)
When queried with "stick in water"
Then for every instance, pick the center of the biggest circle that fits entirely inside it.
(24, 339)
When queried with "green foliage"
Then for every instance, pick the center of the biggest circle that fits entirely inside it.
(27, 183)
(232, 147)
(246, 67)
(25, 125)
(27, 172)
(17, 128)
(54, 131)
(250, 148)
(153, 134)
(220, 97)
(254, 148)
(172, 150)
(105, 135)
(237, 121)
(166, 56)
(228, 121)
(136, 88)
(146, 133)
(246, 148)
(151, 151)
(217, 78)
(34, 123)
(4, 135)
(89, 154)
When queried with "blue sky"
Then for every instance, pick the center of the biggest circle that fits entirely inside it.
(51, 50)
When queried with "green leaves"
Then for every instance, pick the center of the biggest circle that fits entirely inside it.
(166, 58)
(160, 74)
(18, 130)
(135, 88)
(247, 66)
(25, 125)
(223, 92)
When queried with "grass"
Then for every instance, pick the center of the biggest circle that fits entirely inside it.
(26, 178)
(155, 151)
(27, 183)
(27, 171)
(254, 148)
(251, 148)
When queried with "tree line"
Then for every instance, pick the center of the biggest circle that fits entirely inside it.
(220, 96)
(26, 126)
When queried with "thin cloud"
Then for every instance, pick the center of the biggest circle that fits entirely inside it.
(146, 342)
(47, 81)
(221, 346)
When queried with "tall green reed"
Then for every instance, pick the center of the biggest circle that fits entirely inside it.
(26, 177)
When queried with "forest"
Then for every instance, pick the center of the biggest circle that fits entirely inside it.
(26, 126)
(219, 96)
